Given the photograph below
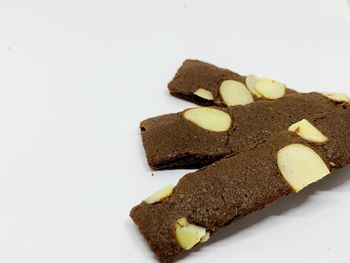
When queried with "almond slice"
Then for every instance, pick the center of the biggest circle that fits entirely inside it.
(209, 118)
(250, 82)
(235, 93)
(204, 94)
(270, 89)
(338, 97)
(205, 238)
(188, 235)
(300, 166)
(160, 195)
(308, 132)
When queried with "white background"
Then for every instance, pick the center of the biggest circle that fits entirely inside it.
(77, 77)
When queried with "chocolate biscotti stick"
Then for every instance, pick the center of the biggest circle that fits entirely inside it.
(208, 85)
(193, 138)
(177, 218)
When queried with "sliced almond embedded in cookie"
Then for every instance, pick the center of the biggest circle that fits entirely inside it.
(235, 93)
(188, 235)
(270, 89)
(204, 94)
(160, 195)
(205, 238)
(250, 82)
(300, 166)
(209, 118)
(308, 132)
(338, 97)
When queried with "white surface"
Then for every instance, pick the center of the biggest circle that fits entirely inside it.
(77, 77)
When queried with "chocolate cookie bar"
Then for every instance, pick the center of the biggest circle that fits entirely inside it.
(208, 85)
(175, 219)
(186, 140)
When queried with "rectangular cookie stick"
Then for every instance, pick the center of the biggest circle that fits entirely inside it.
(201, 83)
(172, 141)
(176, 219)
